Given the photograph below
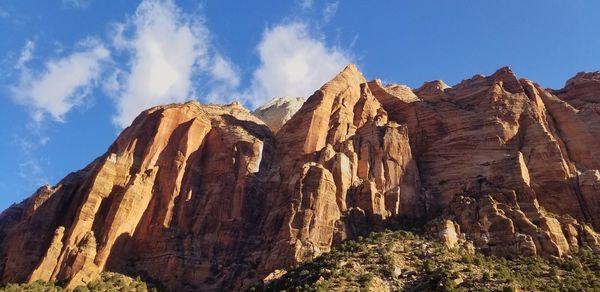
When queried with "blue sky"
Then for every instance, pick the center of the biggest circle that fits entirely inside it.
(73, 73)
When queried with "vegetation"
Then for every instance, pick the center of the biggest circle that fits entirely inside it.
(402, 261)
(107, 282)
(37, 286)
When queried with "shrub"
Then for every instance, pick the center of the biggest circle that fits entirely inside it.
(365, 280)
(486, 276)
(429, 266)
(505, 273)
(467, 258)
(573, 265)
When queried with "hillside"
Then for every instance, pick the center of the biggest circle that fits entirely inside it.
(106, 281)
(404, 261)
(399, 261)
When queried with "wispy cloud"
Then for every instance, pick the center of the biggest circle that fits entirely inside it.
(224, 79)
(76, 3)
(329, 11)
(293, 63)
(170, 57)
(4, 13)
(31, 167)
(62, 84)
(168, 50)
(26, 54)
(223, 70)
(306, 4)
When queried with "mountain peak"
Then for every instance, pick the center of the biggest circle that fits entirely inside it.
(278, 111)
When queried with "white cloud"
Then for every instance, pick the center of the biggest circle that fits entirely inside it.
(171, 59)
(169, 49)
(76, 3)
(26, 54)
(62, 84)
(224, 79)
(223, 70)
(293, 63)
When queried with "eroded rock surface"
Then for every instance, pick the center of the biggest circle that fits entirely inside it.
(208, 197)
(278, 111)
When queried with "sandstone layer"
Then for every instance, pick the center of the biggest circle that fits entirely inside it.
(208, 197)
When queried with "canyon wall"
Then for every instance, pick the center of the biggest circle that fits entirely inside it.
(209, 197)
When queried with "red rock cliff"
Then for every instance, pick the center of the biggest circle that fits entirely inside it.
(207, 197)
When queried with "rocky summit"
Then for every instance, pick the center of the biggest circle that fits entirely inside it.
(278, 111)
(209, 197)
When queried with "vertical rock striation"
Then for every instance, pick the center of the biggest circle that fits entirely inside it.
(170, 194)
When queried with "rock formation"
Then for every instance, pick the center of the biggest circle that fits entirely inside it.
(172, 186)
(278, 111)
(208, 197)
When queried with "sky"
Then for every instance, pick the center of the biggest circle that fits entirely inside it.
(74, 73)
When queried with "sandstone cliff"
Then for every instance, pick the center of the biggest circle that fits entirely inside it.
(208, 197)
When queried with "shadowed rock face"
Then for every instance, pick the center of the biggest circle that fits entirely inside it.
(207, 197)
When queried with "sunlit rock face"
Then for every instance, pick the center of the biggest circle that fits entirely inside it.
(206, 197)
(167, 199)
(514, 165)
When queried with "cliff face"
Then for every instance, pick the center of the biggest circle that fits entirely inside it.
(168, 199)
(207, 197)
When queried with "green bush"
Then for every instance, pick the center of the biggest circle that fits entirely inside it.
(365, 280)
(486, 276)
(428, 266)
